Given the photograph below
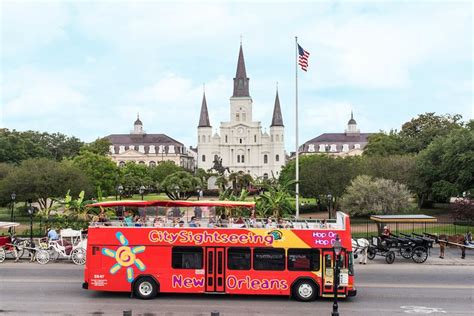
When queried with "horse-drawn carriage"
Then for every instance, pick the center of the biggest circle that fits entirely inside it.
(71, 245)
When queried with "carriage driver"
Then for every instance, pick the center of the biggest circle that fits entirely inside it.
(386, 232)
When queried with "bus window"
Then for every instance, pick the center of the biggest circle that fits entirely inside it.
(268, 259)
(238, 258)
(187, 258)
(303, 259)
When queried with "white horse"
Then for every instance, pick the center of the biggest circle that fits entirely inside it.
(359, 247)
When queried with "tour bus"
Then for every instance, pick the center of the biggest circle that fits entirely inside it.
(247, 256)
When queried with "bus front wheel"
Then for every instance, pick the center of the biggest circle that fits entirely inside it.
(305, 291)
(145, 288)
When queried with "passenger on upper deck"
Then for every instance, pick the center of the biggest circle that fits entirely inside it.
(194, 222)
(324, 224)
(128, 219)
(222, 222)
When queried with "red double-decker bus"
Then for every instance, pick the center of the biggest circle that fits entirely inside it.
(243, 257)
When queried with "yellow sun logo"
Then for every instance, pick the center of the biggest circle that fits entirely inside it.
(125, 257)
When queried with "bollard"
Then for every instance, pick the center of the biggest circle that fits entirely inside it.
(215, 313)
(127, 313)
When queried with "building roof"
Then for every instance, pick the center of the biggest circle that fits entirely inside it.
(204, 117)
(138, 139)
(352, 121)
(241, 82)
(340, 138)
(277, 119)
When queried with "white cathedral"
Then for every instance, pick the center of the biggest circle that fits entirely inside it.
(241, 144)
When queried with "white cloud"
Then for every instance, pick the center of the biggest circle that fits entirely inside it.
(27, 26)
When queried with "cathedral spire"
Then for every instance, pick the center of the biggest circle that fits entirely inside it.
(241, 82)
(277, 119)
(204, 118)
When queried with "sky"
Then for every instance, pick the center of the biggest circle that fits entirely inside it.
(86, 68)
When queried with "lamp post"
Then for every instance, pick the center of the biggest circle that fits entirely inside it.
(120, 191)
(31, 211)
(141, 190)
(337, 252)
(176, 190)
(13, 196)
(329, 196)
(198, 190)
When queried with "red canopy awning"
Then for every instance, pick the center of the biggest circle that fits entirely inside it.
(171, 203)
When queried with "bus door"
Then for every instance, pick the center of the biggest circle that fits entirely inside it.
(215, 267)
(328, 272)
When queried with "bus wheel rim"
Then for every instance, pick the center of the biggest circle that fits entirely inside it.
(305, 290)
(145, 288)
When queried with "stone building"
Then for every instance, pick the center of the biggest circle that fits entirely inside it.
(241, 144)
(350, 143)
(148, 149)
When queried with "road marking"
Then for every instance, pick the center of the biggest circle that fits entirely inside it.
(422, 310)
(38, 281)
(417, 286)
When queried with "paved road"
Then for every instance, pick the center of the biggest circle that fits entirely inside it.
(55, 289)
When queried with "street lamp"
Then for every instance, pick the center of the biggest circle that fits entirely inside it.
(337, 247)
(31, 210)
(141, 190)
(120, 191)
(198, 190)
(176, 190)
(13, 196)
(329, 196)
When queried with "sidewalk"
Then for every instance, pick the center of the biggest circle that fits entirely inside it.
(452, 257)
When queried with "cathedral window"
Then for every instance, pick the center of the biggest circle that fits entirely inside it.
(265, 176)
(203, 158)
(237, 117)
(271, 137)
(238, 158)
(243, 158)
(254, 138)
(265, 158)
(277, 157)
(277, 138)
(240, 140)
(152, 164)
(226, 138)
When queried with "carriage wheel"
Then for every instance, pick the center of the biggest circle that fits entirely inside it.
(390, 257)
(420, 254)
(406, 252)
(2, 255)
(42, 256)
(371, 253)
(79, 256)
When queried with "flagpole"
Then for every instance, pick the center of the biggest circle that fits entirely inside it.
(296, 116)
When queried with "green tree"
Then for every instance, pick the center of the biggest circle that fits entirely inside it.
(180, 185)
(133, 176)
(240, 180)
(102, 171)
(100, 146)
(159, 172)
(369, 196)
(322, 174)
(275, 199)
(419, 132)
(446, 166)
(399, 168)
(381, 144)
(18, 146)
(45, 180)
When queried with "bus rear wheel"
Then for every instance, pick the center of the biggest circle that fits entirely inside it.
(145, 288)
(305, 291)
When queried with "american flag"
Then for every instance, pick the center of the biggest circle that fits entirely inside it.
(303, 58)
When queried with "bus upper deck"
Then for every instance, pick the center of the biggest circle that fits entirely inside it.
(191, 214)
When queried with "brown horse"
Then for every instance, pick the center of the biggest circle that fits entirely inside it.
(450, 240)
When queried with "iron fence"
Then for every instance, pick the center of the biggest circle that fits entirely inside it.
(367, 228)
